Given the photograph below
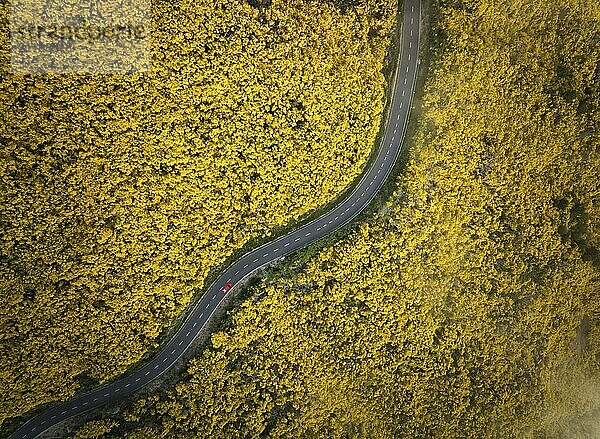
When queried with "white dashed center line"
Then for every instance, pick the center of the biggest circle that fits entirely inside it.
(307, 234)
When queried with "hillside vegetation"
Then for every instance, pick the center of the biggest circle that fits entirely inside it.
(119, 193)
(467, 307)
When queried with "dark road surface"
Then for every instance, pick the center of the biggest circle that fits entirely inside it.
(373, 179)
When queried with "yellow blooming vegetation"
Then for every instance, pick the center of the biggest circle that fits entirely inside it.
(469, 305)
(120, 192)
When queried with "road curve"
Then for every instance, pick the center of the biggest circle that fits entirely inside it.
(402, 92)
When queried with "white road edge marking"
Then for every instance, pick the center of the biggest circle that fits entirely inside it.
(264, 256)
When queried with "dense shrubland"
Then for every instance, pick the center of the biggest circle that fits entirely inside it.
(468, 306)
(119, 193)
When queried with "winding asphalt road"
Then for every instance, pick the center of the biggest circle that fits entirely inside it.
(402, 93)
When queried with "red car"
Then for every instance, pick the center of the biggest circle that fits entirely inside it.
(227, 287)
